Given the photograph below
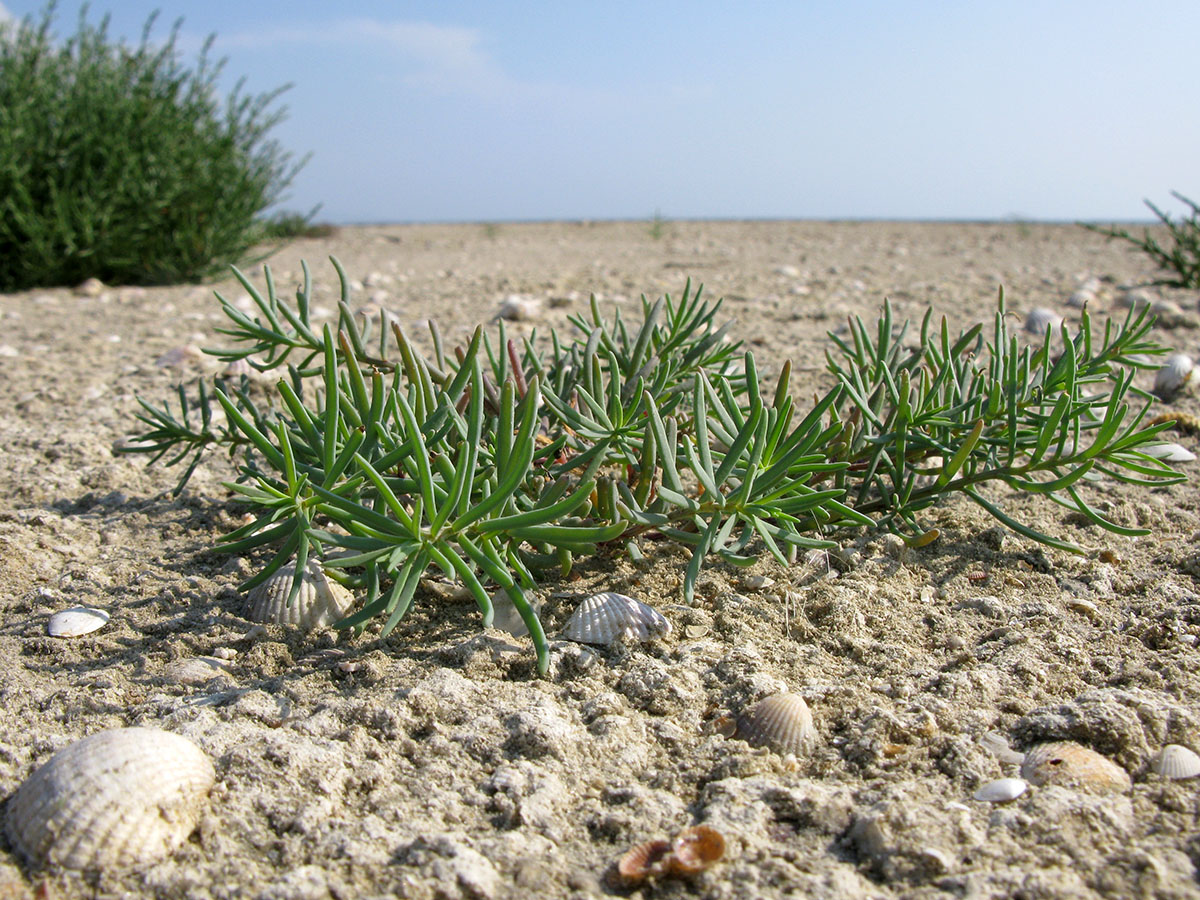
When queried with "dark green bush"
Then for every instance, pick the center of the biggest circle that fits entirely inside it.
(123, 164)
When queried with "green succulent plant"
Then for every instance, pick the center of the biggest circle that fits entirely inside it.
(1181, 257)
(496, 461)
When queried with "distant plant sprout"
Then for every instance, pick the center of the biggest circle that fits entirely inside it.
(658, 226)
(290, 225)
(1181, 257)
(121, 163)
(501, 459)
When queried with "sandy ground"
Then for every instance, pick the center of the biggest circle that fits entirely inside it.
(435, 764)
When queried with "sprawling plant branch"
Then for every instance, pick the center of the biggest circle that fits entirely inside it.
(496, 461)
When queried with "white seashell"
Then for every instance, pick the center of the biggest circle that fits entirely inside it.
(757, 582)
(1136, 298)
(781, 721)
(76, 622)
(997, 744)
(1169, 452)
(236, 368)
(1041, 318)
(124, 797)
(516, 308)
(506, 617)
(198, 670)
(1174, 375)
(1072, 765)
(90, 287)
(321, 601)
(1165, 308)
(1176, 762)
(1081, 298)
(1001, 790)
(180, 357)
(608, 617)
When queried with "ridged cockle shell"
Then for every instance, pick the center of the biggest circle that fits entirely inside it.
(123, 797)
(781, 722)
(608, 617)
(1072, 765)
(1176, 762)
(321, 600)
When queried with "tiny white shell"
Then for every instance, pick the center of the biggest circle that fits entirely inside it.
(1072, 765)
(1041, 318)
(517, 308)
(505, 615)
(757, 582)
(997, 744)
(1176, 762)
(781, 721)
(1001, 790)
(1136, 298)
(1169, 452)
(90, 287)
(1174, 375)
(321, 601)
(123, 797)
(607, 618)
(180, 357)
(76, 621)
(1081, 298)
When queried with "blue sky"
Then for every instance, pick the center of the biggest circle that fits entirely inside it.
(490, 111)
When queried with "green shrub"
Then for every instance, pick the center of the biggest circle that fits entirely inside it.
(121, 163)
(1182, 257)
(288, 225)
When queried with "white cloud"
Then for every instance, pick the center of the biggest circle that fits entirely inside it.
(5, 15)
(438, 57)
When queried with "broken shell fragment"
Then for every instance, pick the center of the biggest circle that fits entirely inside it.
(1001, 790)
(608, 618)
(1176, 762)
(123, 797)
(1174, 375)
(320, 602)
(781, 722)
(648, 860)
(693, 850)
(1072, 765)
(76, 622)
(696, 849)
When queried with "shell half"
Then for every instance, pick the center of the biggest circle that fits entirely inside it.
(320, 602)
(608, 618)
(1169, 452)
(76, 622)
(696, 849)
(1174, 375)
(119, 798)
(1176, 762)
(1072, 765)
(1001, 790)
(781, 722)
(1041, 318)
(646, 860)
